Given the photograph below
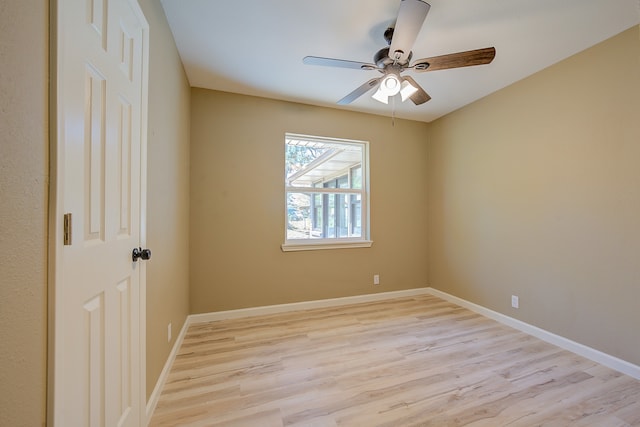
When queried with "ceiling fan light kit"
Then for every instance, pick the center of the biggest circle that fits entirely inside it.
(391, 86)
(391, 61)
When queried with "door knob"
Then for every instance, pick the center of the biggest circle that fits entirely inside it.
(145, 254)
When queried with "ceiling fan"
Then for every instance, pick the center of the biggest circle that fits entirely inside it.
(391, 61)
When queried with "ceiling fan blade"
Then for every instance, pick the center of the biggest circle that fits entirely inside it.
(411, 16)
(420, 97)
(361, 90)
(455, 60)
(330, 62)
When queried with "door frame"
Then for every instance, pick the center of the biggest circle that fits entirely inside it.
(56, 209)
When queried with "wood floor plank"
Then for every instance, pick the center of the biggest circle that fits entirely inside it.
(415, 361)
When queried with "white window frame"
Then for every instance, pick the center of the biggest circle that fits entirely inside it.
(364, 240)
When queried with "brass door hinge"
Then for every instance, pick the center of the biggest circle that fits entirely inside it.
(67, 229)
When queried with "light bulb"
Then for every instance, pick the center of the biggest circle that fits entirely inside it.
(390, 85)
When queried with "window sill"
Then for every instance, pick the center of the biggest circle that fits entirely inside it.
(314, 246)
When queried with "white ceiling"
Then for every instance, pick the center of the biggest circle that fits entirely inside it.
(255, 47)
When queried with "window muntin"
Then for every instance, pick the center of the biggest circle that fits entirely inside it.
(326, 193)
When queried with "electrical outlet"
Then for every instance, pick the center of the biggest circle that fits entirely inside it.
(169, 332)
(515, 301)
(376, 279)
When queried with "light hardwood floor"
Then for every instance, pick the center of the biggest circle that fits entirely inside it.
(415, 361)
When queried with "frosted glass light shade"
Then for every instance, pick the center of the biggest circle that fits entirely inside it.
(407, 90)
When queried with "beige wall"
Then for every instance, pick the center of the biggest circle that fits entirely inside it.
(167, 192)
(535, 191)
(237, 205)
(24, 178)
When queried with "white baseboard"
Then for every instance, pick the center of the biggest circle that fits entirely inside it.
(305, 305)
(562, 342)
(162, 379)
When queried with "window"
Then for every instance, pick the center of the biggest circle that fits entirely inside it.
(327, 193)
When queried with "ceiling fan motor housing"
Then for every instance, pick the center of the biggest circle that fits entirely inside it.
(382, 58)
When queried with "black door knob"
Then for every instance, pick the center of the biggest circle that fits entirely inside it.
(145, 254)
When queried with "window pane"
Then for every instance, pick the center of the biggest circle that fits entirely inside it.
(309, 162)
(323, 216)
(300, 224)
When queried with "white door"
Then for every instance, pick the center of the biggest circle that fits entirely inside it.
(98, 306)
